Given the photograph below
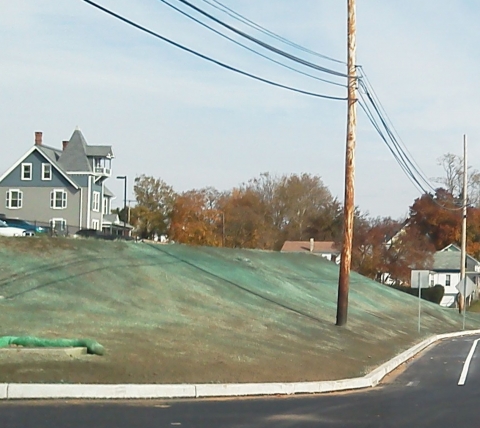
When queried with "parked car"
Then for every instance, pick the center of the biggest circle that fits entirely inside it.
(93, 233)
(98, 234)
(6, 230)
(25, 225)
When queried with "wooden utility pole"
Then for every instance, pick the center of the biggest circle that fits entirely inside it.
(349, 203)
(463, 255)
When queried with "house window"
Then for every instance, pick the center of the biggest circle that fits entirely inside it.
(14, 199)
(105, 208)
(96, 201)
(96, 224)
(46, 171)
(447, 281)
(58, 225)
(58, 199)
(26, 171)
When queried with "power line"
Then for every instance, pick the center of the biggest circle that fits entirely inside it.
(366, 82)
(207, 58)
(364, 106)
(263, 44)
(248, 48)
(403, 157)
(410, 166)
(252, 24)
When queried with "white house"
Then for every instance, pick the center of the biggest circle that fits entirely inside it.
(446, 272)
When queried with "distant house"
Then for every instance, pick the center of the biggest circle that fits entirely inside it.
(114, 226)
(445, 271)
(325, 249)
(63, 188)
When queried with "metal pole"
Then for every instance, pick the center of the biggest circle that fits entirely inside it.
(419, 302)
(124, 177)
(346, 256)
(463, 256)
(223, 229)
(125, 208)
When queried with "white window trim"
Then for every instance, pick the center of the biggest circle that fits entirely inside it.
(106, 206)
(96, 224)
(43, 171)
(8, 199)
(96, 201)
(53, 199)
(58, 220)
(23, 171)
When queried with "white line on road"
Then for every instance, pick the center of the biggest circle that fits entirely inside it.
(466, 365)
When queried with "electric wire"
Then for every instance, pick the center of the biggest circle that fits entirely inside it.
(235, 15)
(408, 164)
(248, 48)
(404, 160)
(364, 106)
(207, 58)
(366, 82)
(263, 44)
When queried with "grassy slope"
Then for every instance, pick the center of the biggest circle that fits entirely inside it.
(175, 314)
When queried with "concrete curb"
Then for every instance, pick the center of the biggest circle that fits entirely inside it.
(51, 352)
(133, 391)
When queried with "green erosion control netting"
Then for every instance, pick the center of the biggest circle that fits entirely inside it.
(182, 314)
(92, 346)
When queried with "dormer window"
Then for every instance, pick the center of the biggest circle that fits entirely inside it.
(26, 171)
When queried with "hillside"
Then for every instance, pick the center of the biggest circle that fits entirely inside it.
(179, 314)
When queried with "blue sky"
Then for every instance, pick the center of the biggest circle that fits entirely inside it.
(173, 116)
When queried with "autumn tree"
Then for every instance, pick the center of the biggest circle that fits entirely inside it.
(195, 218)
(154, 204)
(439, 217)
(408, 249)
(289, 204)
(367, 246)
(386, 250)
(245, 222)
(301, 198)
(327, 223)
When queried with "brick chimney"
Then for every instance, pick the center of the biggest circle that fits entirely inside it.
(38, 138)
(64, 145)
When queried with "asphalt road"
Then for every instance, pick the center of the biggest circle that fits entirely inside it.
(425, 394)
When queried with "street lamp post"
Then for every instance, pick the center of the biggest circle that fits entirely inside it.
(223, 229)
(124, 178)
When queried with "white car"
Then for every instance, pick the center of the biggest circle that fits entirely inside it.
(6, 230)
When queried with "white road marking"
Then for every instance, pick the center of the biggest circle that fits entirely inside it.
(466, 365)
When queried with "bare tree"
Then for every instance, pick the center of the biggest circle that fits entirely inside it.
(452, 181)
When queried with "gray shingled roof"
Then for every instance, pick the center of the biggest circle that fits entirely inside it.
(108, 192)
(50, 153)
(100, 151)
(450, 261)
(54, 155)
(74, 157)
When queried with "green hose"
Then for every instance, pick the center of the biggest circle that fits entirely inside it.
(92, 346)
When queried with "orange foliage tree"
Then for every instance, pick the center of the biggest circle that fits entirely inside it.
(195, 220)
